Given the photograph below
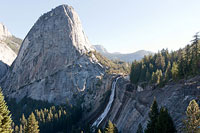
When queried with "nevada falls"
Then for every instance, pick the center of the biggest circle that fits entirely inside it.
(56, 63)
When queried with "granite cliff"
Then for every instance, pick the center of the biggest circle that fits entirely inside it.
(57, 63)
(53, 63)
(9, 45)
(132, 103)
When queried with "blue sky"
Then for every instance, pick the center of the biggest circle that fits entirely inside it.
(119, 25)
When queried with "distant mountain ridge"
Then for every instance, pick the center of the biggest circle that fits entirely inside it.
(130, 57)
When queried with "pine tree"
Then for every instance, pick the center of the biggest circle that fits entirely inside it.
(148, 75)
(110, 128)
(174, 71)
(182, 64)
(160, 61)
(99, 131)
(16, 129)
(140, 129)
(115, 129)
(135, 72)
(32, 125)
(192, 122)
(159, 76)
(153, 115)
(20, 129)
(187, 60)
(153, 78)
(5, 117)
(23, 122)
(164, 123)
(168, 73)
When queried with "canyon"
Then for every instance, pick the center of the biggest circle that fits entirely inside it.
(57, 63)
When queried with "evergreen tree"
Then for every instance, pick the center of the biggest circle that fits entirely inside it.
(20, 129)
(110, 128)
(140, 129)
(16, 129)
(99, 131)
(32, 124)
(160, 61)
(187, 60)
(174, 71)
(23, 122)
(182, 64)
(154, 78)
(164, 123)
(148, 76)
(168, 73)
(115, 129)
(195, 53)
(153, 115)
(5, 117)
(159, 76)
(192, 122)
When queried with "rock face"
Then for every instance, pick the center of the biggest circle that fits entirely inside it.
(53, 62)
(7, 44)
(4, 33)
(130, 57)
(131, 107)
(7, 55)
(3, 69)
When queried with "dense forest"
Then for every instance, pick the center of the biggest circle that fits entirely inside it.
(44, 117)
(164, 66)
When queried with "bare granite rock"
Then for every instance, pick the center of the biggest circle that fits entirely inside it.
(3, 69)
(7, 55)
(131, 106)
(4, 33)
(53, 63)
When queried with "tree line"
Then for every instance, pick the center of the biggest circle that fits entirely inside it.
(163, 66)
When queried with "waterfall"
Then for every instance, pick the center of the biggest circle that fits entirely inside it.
(107, 109)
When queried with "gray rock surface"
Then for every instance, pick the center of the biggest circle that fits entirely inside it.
(8, 45)
(7, 55)
(53, 63)
(131, 107)
(3, 69)
(4, 33)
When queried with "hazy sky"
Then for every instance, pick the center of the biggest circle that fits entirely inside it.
(118, 25)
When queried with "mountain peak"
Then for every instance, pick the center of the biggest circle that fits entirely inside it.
(4, 33)
(53, 61)
(100, 48)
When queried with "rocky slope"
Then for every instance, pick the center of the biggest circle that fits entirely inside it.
(53, 63)
(131, 105)
(3, 69)
(9, 45)
(130, 57)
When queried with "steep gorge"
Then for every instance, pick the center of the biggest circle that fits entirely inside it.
(56, 64)
(131, 105)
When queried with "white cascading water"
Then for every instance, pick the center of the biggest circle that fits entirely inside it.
(107, 109)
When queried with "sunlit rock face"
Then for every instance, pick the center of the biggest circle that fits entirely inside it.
(7, 55)
(53, 62)
(4, 33)
(131, 105)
